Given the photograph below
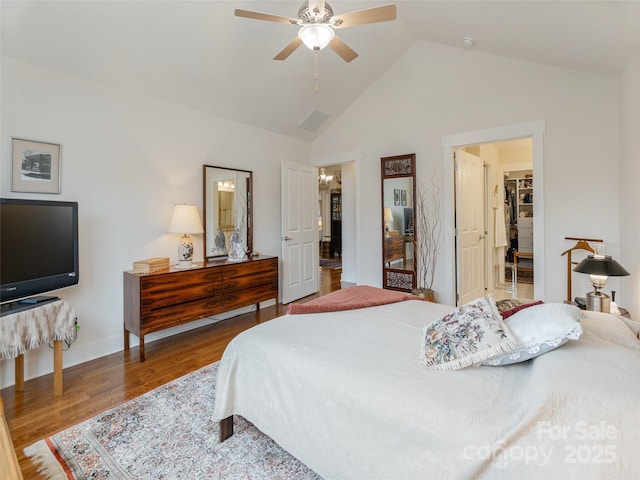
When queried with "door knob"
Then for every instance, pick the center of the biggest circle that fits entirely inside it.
(286, 239)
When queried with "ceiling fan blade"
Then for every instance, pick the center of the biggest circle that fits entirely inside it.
(384, 13)
(265, 16)
(289, 49)
(342, 49)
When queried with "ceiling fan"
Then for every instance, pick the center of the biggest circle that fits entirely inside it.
(318, 23)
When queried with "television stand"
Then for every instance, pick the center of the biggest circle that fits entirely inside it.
(25, 304)
(43, 323)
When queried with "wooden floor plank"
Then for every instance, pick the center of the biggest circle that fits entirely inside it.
(101, 384)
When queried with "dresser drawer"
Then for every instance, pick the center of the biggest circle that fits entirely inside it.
(159, 291)
(178, 314)
(525, 232)
(525, 245)
(525, 222)
(248, 281)
(241, 298)
(394, 248)
(243, 269)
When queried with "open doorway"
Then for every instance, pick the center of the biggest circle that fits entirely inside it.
(330, 216)
(501, 228)
(535, 130)
(344, 183)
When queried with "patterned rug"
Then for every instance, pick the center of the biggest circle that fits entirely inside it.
(524, 276)
(167, 433)
(330, 263)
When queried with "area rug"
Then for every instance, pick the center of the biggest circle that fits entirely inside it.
(330, 263)
(167, 433)
(524, 276)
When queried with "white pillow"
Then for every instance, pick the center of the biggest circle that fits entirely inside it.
(540, 329)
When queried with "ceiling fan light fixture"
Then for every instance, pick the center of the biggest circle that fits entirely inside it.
(316, 36)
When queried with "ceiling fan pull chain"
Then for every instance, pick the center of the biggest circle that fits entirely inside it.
(315, 71)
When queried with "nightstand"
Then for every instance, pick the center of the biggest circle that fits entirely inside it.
(623, 311)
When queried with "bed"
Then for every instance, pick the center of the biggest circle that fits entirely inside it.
(344, 393)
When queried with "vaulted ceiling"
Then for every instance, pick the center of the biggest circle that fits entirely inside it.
(199, 55)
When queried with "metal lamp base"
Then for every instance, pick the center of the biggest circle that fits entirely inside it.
(598, 302)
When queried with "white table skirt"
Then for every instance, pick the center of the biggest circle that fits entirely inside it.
(31, 328)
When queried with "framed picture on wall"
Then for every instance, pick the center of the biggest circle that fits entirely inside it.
(396, 196)
(35, 166)
(403, 196)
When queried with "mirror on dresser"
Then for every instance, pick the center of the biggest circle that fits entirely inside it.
(227, 207)
(398, 220)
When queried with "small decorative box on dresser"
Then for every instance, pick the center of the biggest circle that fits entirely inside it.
(175, 296)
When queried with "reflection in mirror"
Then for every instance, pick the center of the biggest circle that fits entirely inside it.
(398, 218)
(227, 212)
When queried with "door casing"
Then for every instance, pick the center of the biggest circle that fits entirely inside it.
(534, 129)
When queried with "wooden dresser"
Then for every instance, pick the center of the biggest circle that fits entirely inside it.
(175, 296)
(394, 249)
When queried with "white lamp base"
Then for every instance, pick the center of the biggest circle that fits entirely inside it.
(185, 252)
(182, 264)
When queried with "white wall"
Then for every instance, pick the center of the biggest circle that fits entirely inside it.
(433, 91)
(630, 185)
(127, 160)
(349, 220)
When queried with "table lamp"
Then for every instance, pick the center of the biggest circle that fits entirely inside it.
(388, 218)
(186, 221)
(600, 267)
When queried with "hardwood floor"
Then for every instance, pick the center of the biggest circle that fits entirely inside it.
(100, 384)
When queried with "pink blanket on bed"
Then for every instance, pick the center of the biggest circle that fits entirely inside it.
(350, 298)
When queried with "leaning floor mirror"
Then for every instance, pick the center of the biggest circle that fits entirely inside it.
(398, 218)
(227, 212)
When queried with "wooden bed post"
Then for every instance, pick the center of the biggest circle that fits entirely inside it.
(226, 428)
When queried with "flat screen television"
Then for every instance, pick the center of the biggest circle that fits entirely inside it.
(38, 247)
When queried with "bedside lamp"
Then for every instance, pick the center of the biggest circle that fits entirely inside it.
(600, 268)
(388, 218)
(186, 221)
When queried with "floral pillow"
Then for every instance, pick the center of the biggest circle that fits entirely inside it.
(540, 329)
(470, 334)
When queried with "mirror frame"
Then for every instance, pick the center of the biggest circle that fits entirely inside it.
(398, 166)
(211, 202)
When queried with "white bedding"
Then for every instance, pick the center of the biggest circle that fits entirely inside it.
(343, 392)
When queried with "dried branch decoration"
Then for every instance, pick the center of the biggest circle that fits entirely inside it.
(427, 238)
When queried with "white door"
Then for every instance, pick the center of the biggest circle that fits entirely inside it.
(470, 228)
(300, 264)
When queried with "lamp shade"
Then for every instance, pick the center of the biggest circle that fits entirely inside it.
(316, 36)
(388, 217)
(604, 266)
(185, 220)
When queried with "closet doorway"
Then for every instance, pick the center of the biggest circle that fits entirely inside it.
(505, 243)
(518, 209)
(534, 130)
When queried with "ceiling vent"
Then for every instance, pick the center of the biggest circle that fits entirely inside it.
(314, 119)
